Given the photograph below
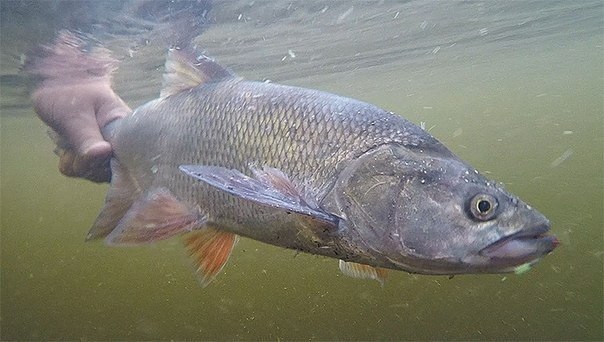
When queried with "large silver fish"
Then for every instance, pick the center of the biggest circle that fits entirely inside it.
(216, 157)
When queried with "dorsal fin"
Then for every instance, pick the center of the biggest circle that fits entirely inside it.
(185, 71)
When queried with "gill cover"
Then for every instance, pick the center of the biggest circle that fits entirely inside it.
(426, 211)
(407, 206)
(367, 196)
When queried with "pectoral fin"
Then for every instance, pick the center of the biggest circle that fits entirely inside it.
(156, 215)
(210, 249)
(270, 187)
(361, 271)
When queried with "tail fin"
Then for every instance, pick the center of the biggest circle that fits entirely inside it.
(120, 197)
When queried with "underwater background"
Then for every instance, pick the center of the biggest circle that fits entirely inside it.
(516, 88)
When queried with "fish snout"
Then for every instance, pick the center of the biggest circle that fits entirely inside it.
(522, 247)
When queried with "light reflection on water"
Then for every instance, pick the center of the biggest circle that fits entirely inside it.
(513, 88)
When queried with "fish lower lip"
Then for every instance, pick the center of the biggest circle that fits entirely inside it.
(522, 247)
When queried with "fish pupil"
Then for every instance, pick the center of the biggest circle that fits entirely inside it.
(484, 206)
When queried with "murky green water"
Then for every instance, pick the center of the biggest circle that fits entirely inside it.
(515, 88)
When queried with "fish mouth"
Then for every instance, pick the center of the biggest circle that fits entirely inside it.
(521, 247)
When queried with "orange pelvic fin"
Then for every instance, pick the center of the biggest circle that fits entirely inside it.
(210, 249)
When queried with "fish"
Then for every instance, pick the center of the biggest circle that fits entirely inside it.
(216, 157)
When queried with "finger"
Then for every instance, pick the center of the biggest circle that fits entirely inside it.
(109, 108)
(93, 166)
(66, 161)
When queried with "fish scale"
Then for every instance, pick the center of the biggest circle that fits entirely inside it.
(312, 137)
(295, 130)
(307, 134)
(215, 157)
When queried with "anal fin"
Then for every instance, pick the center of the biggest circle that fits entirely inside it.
(156, 215)
(361, 271)
(210, 249)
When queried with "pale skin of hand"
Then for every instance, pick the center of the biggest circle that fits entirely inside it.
(78, 111)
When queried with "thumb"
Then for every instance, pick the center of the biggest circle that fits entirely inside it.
(111, 107)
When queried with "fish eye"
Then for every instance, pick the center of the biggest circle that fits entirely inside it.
(483, 207)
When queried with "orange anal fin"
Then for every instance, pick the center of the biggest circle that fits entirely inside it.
(155, 216)
(210, 249)
(361, 271)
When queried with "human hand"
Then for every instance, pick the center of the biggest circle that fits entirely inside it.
(75, 99)
(77, 112)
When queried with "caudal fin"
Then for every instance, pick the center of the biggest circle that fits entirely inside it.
(122, 193)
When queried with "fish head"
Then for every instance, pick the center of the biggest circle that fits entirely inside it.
(431, 213)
